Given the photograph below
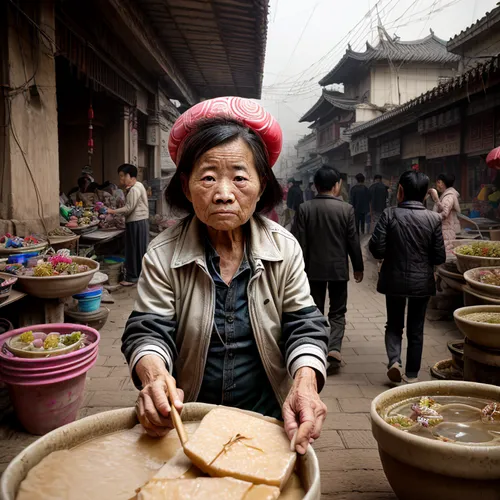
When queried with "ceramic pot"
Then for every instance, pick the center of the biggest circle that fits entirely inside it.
(467, 262)
(55, 287)
(485, 334)
(472, 278)
(78, 432)
(418, 467)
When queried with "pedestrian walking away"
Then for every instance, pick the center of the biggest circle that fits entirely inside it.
(409, 239)
(379, 194)
(136, 211)
(360, 200)
(326, 230)
(294, 199)
(447, 207)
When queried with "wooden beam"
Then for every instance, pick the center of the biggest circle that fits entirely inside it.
(144, 33)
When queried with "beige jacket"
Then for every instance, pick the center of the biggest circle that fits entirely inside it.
(136, 204)
(175, 287)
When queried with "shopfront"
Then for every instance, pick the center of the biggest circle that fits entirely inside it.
(479, 141)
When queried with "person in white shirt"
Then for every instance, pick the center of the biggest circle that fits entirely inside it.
(136, 211)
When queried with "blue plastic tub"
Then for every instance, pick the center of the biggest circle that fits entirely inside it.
(87, 294)
(90, 304)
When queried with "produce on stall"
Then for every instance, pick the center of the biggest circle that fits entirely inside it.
(480, 254)
(10, 244)
(40, 345)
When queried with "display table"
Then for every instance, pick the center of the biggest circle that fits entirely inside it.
(98, 237)
(13, 297)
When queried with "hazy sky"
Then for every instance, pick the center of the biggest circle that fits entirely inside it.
(306, 38)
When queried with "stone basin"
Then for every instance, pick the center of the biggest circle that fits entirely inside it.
(417, 467)
(56, 287)
(92, 427)
(484, 334)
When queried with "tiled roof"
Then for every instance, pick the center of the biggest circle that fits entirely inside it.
(329, 99)
(427, 50)
(470, 77)
(483, 24)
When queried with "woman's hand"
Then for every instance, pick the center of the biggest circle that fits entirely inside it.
(153, 407)
(303, 411)
(434, 195)
(110, 211)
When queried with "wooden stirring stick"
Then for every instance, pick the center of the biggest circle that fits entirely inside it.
(176, 418)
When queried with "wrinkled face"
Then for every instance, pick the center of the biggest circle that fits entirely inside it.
(224, 186)
(440, 186)
(125, 179)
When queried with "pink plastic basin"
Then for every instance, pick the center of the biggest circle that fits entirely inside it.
(14, 369)
(92, 340)
(43, 408)
(48, 378)
(8, 375)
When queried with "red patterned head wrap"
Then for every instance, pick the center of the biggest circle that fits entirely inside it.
(246, 111)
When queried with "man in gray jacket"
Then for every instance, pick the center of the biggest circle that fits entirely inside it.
(326, 230)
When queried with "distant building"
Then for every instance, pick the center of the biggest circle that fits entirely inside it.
(478, 42)
(375, 81)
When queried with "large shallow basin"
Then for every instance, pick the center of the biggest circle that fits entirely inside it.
(55, 287)
(485, 334)
(472, 278)
(78, 432)
(417, 467)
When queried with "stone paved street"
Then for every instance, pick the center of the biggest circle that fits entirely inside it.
(347, 452)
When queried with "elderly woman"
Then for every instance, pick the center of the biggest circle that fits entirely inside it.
(224, 314)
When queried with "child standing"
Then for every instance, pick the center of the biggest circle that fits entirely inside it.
(409, 239)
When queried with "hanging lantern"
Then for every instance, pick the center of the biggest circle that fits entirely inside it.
(493, 159)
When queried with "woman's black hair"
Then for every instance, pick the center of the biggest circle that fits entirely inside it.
(415, 185)
(209, 134)
(127, 168)
(325, 178)
(448, 179)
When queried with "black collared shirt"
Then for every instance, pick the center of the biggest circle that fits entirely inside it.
(234, 373)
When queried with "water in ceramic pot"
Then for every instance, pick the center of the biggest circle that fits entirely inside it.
(455, 419)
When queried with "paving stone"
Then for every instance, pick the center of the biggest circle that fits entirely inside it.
(358, 439)
(342, 391)
(355, 405)
(347, 379)
(100, 371)
(364, 368)
(349, 421)
(355, 480)
(121, 371)
(331, 403)
(365, 358)
(111, 350)
(343, 460)
(105, 384)
(372, 391)
(115, 361)
(370, 348)
(329, 440)
(113, 398)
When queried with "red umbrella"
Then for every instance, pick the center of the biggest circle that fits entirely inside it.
(493, 159)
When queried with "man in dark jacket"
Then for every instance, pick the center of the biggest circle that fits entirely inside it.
(379, 194)
(325, 228)
(360, 200)
(409, 239)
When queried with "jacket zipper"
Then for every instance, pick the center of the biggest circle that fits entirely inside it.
(258, 336)
(205, 339)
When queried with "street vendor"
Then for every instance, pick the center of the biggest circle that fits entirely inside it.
(224, 311)
(136, 211)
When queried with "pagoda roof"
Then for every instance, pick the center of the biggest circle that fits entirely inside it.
(329, 99)
(430, 49)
